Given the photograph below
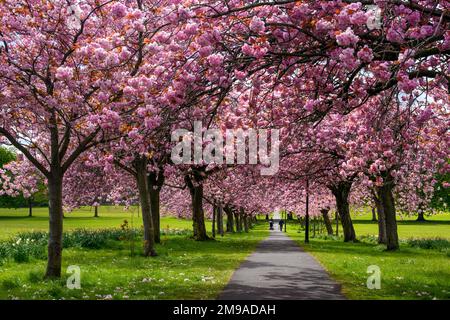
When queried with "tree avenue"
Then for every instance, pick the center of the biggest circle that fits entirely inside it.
(91, 92)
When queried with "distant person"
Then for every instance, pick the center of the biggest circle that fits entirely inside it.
(281, 223)
(271, 224)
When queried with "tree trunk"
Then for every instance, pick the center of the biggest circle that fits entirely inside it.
(155, 205)
(220, 219)
(30, 207)
(214, 221)
(198, 214)
(341, 192)
(421, 217)
(195, 185)
(238, 223)
(95, 211)
(387, 201)
(374, 215)
(55, 209)
(230, 220)
(314, 226)
(337, 224)
(241, 221)
(144, 196)
(244, 217)
(155, 182)
(327, 221)
(381, 221)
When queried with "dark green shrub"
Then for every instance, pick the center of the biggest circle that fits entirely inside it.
(11, 283)
(436, 244)
(35, 276)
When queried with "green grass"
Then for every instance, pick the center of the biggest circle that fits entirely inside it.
(13, 221)
(184, 269)
(435, 226)
(413, 272)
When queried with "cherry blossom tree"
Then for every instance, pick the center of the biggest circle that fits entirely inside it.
(62, 86)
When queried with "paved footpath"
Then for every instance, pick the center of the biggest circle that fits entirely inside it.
(280, 270)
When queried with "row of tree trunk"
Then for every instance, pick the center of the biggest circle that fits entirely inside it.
(237, 220)
(149, 186)
(385, 207)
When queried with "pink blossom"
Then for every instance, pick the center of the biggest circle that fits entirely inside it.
(215, 60)
(324, 25)
(100, 54)
(247, 50)
(257, 25)
(240, 75)
(348, 59)
(365, 54)
(309, 105)
(119, 10)
(347, 38)
(205, 51)
(395, 35)
(64, 73)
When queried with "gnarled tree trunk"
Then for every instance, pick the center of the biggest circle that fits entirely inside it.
(341, 192)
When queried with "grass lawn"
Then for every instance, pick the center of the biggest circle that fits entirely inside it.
(411, 273)
(184, 269)
(435, 226)
(13, 221)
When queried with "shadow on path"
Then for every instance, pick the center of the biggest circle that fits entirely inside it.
(280, 270)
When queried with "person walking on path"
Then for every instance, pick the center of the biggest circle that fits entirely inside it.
(281, 223)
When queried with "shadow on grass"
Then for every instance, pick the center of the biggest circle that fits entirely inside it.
(369, 249)
(8, 218)
(407, 222)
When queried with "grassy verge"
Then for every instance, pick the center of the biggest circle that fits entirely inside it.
(13, 221)
(436, 226)
(184, 269)
(420, 270)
